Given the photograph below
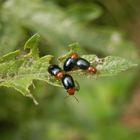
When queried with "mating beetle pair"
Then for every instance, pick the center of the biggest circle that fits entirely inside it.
(66, 79)
(76, 62)
(71, 63)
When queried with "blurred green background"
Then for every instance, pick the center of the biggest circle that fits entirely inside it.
(109, 108)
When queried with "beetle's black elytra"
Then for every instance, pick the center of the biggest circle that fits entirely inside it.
(69, 64)
(54, 70)
(66, 79)
(82, 63)
(75, 62)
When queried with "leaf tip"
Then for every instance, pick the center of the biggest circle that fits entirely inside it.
(74, 46)
(32, 97)
(32, 39)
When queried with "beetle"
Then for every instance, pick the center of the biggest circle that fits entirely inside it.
(76, 62)
(56, 71)
(69, 84)
(83, 64)
(69, 63)
(66, 79)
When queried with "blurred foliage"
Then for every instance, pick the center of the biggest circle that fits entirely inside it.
(97, 26)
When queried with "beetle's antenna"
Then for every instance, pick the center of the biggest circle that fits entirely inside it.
(66, 97)
(76, 98)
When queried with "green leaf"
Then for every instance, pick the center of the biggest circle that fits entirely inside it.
(9, 56)
(32, 45)
(112, 65)
(21, 76)
(18, 71)
(108, 66)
